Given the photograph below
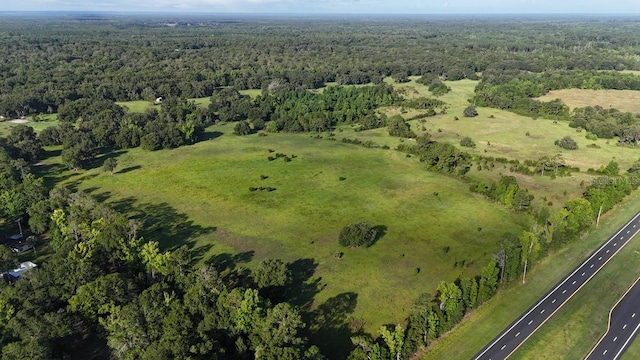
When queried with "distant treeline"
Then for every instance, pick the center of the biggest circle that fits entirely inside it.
(47, 62)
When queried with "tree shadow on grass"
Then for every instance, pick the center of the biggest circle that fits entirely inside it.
(210, 135)
(330, 325)
(98, 161)
(228, 266)
(381, 231)
(162, 223)
(129, 169)
(229, 262)
(303, 288)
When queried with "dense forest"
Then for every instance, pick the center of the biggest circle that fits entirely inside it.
(107, 292)
(47, 62)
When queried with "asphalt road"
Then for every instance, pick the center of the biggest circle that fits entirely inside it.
(502, 346)
(624, 322)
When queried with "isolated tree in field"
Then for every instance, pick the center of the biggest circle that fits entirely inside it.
(359, 234)
(567, 142)
(470, 111)
(242, 128)
(110, 165)
(467, 142)
(530, 250)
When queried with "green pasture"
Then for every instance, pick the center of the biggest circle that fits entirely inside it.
(499, 133)
(434, 228)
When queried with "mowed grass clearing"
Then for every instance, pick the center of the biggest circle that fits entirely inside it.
(423, 212)
(623, 100)
(578, 325)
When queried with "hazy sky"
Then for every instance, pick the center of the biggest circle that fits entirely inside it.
(334, 6)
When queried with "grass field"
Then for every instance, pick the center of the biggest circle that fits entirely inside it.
(574, 329)
(623, 100)
(205, 188)
(199, 195)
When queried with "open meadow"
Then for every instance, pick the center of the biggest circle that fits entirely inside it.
(215, 197)
(623, 100)
(433, 228)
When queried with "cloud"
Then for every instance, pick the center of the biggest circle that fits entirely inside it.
(334, 6)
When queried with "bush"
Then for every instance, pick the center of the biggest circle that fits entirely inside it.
(591, 136)
(242, 128)
(567, 142)
(467, 142)
(359, 234)
(470, 111)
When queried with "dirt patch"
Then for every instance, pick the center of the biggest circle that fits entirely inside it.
(19, 121)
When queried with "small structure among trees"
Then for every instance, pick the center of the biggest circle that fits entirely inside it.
(359, 234)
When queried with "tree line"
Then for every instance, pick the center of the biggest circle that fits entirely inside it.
(51, 61)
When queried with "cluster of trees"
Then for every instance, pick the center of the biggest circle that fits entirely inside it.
(608, 123)
(436, 86)
(440, 156)
(107, 292)
(51, 61)
(506, 191)
(89, 127)
(294, 110)
(431, 317)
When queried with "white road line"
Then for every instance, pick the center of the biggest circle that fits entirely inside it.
(628, 231)
(605, 352)
(574, 282)
(518, 334)
(591, 267)
(634, 315)
(615, 244)
(554, 301)
(564, 291)
(542, 312)
(582, 274)
(530, 322)
(608, 250)
(626, 342)
(558, 286)
(624, 327)
(615, 338)
(600, 258)
(503, 346)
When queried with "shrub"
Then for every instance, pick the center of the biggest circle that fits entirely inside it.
(467, 142)
(567, 142)
(359, 234)
(242, 128)
(470, 111)
(591, 136)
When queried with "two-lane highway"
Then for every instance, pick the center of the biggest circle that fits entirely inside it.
(624, 323)
(520, 330)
